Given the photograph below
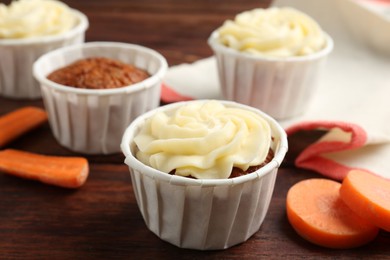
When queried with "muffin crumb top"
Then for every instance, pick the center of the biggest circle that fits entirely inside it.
(98, 73)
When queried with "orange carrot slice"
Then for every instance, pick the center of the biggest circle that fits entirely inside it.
(68, 172)
(317, 213)
(20, 121)
(369, 196)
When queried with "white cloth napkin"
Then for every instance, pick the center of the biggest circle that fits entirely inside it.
(352, 100)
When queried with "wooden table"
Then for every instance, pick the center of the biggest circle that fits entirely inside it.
(102, 220)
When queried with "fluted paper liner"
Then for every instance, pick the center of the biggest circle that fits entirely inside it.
(19, 55)
(203, 214)
(281, 87)
(93, 121)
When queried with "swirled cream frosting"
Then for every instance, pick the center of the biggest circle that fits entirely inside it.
(35, 18)
(204, 139)
(275, 32)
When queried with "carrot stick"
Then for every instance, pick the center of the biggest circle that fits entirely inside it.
(369, 196)
(68, 172)
(20, 121)
(317, 213)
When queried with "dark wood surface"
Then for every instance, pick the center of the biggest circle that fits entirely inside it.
(101, 220)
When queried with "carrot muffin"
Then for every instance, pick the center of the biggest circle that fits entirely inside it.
(98, 73)
(205, 140)
(270, 59)
(28, 30)
(92, 120)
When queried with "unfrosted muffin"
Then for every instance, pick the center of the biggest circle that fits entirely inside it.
(211, 211)
(270, 59)
(98, 73)
(92, 121)
(28, 29)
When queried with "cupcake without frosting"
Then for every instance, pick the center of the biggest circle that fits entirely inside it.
(35, 18)
(92, 120)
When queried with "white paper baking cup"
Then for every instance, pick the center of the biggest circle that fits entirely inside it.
(17, 57)
(202, 214)
(281, 87)
(93, 121)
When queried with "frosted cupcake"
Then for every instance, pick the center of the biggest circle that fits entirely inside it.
(181, 157)
(28, 29)
(91, 117)
(270, 58)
